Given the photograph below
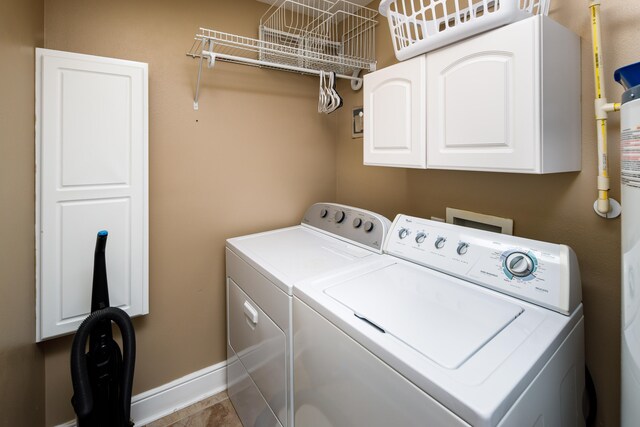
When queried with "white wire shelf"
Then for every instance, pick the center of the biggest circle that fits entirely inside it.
(302, 36)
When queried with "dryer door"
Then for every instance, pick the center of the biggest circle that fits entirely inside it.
(260, 346)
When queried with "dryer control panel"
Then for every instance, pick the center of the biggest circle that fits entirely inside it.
(358, 226)
(542, 273)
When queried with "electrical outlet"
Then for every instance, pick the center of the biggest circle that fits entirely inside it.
(357, 126)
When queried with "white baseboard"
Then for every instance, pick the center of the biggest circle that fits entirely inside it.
(178, 394)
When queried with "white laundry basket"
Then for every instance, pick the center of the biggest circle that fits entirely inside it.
(418, 26)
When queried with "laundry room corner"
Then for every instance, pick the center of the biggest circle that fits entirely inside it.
(21, 362)
(355, 182)
(254, 155)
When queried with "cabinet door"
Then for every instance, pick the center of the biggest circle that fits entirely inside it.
(484, 102)
(394, 115)
(91, 174)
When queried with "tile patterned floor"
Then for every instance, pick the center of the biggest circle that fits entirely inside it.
(216, 411)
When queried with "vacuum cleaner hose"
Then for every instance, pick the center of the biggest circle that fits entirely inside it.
(83, 397)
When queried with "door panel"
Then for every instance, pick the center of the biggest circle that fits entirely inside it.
(260, 346)
(484, 103)
(91, 174)
(394, 115)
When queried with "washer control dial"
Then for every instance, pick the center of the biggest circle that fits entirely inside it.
(440, 241)
(519, 264)
(403, 233)
(324, 213)
(339, 216)
(368, 226)
(420, 237)
(357, 223)
(462, 248)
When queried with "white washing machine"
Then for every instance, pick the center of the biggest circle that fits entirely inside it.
(451, 327)
(261, 272)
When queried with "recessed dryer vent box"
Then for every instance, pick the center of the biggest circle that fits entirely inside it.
(480, 221)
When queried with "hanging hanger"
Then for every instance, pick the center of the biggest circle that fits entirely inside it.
(321, 94)
(328, 98)
(336, 97)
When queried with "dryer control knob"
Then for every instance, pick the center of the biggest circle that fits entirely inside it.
(519, 264)
(403, 233)
(357, 223)
(368, 226)
(420, 237)
(440, 241)
(339, 216)
(324, 213)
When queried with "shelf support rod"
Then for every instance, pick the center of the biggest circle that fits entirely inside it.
(257, 62)
(197, 95)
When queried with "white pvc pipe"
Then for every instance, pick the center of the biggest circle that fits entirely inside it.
(602, 205)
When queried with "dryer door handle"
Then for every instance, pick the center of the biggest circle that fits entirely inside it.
(250, 312)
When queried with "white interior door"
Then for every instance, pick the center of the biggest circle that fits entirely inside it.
(91, 175)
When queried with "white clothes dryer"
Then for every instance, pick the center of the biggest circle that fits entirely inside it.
(451, 327)
(261, 272)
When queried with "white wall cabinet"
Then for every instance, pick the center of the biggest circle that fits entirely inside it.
(395, 108)
(91, 174)
(507, 100)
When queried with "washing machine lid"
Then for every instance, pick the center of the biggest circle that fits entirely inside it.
(433, 315)
(292, 254)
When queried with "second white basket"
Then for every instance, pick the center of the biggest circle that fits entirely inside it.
(419, 26)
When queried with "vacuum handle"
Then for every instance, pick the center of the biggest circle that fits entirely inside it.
(100, 290)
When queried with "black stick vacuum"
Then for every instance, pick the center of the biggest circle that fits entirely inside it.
(102, 378)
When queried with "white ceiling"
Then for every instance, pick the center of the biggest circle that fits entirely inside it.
(359, 2)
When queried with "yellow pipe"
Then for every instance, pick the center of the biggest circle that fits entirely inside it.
(595, 43)
(601, 108)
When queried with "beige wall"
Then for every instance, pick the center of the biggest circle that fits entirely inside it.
(21, 361)
(252, 158)
(556, 207)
